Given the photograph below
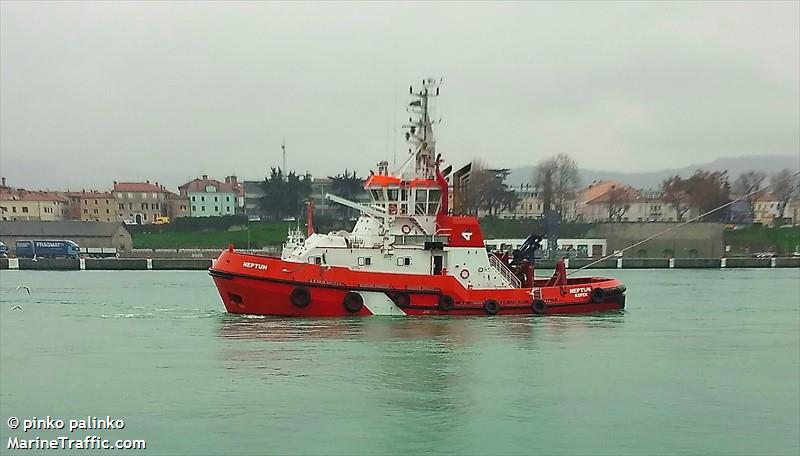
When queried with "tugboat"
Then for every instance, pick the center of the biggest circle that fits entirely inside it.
(406, 255)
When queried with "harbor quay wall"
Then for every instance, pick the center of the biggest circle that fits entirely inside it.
(698, 240)
(106, 264)
(198, 264)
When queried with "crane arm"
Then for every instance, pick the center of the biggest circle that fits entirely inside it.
(372, 212)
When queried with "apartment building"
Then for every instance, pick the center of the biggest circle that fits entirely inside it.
(139, 202)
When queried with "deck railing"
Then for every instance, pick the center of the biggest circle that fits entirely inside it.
(506, 273)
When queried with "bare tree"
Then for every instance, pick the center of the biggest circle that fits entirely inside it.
(676, 194)
(487, 190)
(784, 187)
(558, 180)
(746, 184)
(471, 194)
(703, 191)
(619, 201)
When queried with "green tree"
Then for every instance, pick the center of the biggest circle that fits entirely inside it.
(348, 186)
(284, 195)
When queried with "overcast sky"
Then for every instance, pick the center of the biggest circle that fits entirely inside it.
(96, 92)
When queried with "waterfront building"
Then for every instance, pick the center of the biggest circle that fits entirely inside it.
(793, 211)
(529, 204)
(320, 186)
(212, 198)
(92, 206)
(177, 206)
(85, 234)
(140, 203)
(611, 201)
(253, 192)
(649, 206)
(19, 204)
(767, 210)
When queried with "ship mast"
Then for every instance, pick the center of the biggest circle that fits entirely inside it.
(283, 150)
(420, 128)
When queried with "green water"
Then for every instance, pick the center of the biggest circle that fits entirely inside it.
(701, 362)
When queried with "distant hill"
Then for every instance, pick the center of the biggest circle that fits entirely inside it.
(735, 166)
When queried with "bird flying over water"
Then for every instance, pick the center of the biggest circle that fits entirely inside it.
(17, 307)
(23, 287)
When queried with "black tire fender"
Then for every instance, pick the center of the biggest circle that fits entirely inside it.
(598, 295)
(491, 307)
(539, 306)
(353, 302)
(300, 297)
(445, 302)
(402, 299)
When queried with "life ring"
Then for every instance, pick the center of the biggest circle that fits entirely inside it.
(405, 229)
(445, 302)
(402, 300)
(392, 209)
(353, 302)
(491, 307)
(539, 306)
(464, 274)
(300, 297)
(598, 295)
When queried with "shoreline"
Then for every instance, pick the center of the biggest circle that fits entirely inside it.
(196, 264)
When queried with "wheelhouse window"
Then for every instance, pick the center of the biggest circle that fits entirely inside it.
(433, 201)
(427, 201)
(420, 201)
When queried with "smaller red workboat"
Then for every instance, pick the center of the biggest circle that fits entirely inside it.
(406, 255)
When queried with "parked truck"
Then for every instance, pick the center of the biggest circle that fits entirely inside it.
(47, 249)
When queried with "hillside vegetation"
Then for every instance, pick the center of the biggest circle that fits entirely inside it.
(755, 239)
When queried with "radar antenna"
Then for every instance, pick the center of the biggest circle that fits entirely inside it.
(420, 128)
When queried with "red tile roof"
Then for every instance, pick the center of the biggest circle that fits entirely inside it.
(90, 194)
(137, 187)
(24, 195)
(767, 197)
(630, 193)
(598, 189)
(200, 185)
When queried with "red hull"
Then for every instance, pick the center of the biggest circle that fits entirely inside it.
(260, 285)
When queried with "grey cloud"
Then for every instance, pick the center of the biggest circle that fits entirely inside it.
(165, 91)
